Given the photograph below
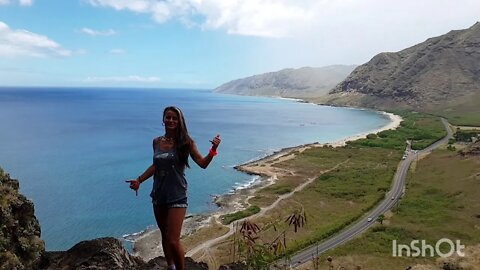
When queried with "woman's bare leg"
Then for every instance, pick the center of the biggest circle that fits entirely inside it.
(174, 229)
(161, 216)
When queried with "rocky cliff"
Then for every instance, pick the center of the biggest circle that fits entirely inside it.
(441, 74)
(22, 248)
(304, 82)
(20, 244)
(105, 254)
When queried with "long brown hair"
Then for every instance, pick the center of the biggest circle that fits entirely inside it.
(182, 139)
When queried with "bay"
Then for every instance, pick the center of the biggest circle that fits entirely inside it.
(73, 148)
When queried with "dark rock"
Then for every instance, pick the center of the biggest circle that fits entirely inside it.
(471, 150)
(105, 253)
(20, 244)
(22, 248)
(101, 253)
(233, 266)
(159, 263)
(450, 266)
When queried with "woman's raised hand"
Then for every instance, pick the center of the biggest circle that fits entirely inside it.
(215, 142)
(134, 184)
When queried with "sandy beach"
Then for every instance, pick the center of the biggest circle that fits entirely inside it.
(148, 244)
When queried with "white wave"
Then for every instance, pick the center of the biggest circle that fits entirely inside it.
(132, 237)
(239, 186)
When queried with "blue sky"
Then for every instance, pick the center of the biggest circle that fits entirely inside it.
(204, 43)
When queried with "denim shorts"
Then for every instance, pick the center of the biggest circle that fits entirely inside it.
(182, 203)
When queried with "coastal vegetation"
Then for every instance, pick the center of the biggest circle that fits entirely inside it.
(348, 182)
(421, 83)
(229, 218)
(466, 114)
(419, 128)
(333, 201)
(441, 201)
(466, 135)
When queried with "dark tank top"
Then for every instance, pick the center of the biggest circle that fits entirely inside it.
(169, 183)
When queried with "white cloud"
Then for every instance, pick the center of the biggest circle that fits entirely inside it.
(293, 18)
(267, 18)
(21, 42)
(132, 78)
(26, 2)
(21, 2)
(118, 51)
(92, 32)
(80, 52)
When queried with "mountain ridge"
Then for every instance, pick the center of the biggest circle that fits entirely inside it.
(440, 75)
(305, 82)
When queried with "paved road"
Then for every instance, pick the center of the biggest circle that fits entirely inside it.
(397, 191)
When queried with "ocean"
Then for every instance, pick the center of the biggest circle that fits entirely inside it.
(73, 148)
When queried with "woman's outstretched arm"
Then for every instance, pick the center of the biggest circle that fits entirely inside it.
(135, 183)
(201, 161)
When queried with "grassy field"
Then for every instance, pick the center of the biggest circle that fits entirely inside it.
(332, 201)
(362, 175)
(229, 218)
(421, 129)
(441, 202)
(466, 114)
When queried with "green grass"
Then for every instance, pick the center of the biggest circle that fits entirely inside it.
(460, 119)
(336, 198)
(279, 189)
(340, 197)
(465, 135)
(309, 163)
(364, 172)
(441, 201)
(466, 114)
(229, 218)
(421, 128)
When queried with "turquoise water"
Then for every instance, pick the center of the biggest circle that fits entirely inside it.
(72, 149)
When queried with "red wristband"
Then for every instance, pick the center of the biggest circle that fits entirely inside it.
(212, 153)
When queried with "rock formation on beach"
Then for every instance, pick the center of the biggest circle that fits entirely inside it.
(306, 82)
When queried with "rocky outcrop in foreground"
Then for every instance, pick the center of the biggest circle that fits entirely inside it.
(22, 248)
(102, 253)
(105, 253)
(20, 244)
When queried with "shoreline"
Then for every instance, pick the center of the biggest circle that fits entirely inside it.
(257, 167)
(147, 244)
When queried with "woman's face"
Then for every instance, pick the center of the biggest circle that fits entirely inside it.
(170, 120)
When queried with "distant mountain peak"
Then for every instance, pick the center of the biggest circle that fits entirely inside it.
(304, 82)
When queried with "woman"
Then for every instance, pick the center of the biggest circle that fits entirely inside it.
(169, 193)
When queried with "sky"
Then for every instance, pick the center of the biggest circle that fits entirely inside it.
(205, 43)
